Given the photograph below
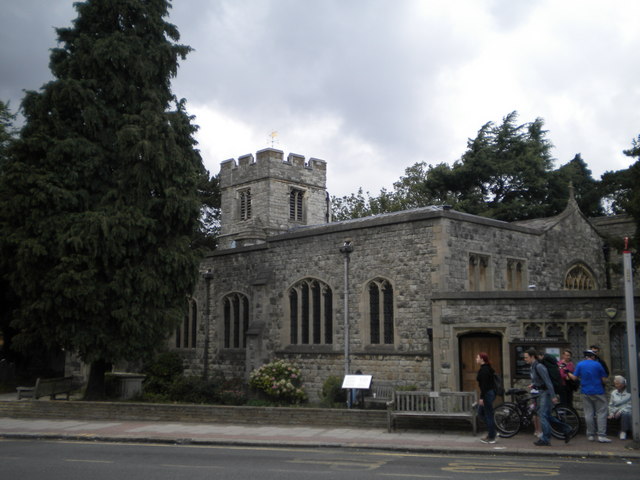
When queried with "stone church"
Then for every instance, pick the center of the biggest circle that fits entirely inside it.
(426, 289)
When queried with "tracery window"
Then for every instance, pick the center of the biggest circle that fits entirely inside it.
(236, 320)
(579, 278)
(186, 333)
(245, 204)
(310, 313)
(532, 331)
(515, 274)
(478, 272)
(295, 204)
(381, 316)
(555, 330)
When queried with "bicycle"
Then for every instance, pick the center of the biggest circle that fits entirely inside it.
(511, 417)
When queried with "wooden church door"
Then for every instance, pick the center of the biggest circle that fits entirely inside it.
(470, 346)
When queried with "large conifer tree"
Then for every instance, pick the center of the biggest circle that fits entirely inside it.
(100, 194)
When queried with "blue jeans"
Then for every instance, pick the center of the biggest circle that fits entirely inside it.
(486, 410)
(544, 407)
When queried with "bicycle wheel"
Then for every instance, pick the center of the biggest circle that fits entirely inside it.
(507, 419)
(568, 416)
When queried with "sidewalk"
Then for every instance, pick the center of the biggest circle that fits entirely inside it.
(290, 436)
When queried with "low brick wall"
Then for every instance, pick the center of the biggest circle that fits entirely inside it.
(81, 410)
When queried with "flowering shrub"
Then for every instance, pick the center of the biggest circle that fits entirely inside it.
(280, 381)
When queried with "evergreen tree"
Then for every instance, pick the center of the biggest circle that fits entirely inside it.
(587, 190)
(504, 174)
(7, 296)
(100, 200)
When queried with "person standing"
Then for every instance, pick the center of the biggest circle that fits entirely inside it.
(594, 399)
(566, 365)
(487, 395)
(596, 349)
(545, 399)
(620, 405)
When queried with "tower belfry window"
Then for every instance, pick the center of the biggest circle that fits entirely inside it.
(295, 204)
(245, 204)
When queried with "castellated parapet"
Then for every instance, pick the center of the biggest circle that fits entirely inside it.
(270, 163)
(266, 195)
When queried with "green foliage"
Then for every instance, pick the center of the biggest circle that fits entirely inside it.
(407, 388)
(99, 199)
(332, 392)
(505, 173)
(166, 369)
(279, 381)
(165, 382)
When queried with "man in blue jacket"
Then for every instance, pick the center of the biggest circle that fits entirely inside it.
(594, 399)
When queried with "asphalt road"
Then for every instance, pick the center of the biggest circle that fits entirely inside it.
(35, 460)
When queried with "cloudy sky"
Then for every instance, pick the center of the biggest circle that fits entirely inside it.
(374, 86)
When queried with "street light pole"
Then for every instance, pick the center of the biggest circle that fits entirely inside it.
(346, 250)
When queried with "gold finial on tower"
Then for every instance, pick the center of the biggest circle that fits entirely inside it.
(273, 138)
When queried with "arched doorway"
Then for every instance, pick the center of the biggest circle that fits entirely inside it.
(470, 345)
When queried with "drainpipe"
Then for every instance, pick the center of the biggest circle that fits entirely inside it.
(208, 276)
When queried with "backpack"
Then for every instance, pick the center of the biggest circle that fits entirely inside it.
(551, 364)
(499, 385)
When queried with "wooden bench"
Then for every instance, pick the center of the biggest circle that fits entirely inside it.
(47, 386)
(379, 395)
(446, 405)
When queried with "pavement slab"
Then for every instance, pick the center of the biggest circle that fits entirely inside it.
(285, 436)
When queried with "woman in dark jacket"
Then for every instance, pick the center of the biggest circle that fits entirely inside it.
(487, 386)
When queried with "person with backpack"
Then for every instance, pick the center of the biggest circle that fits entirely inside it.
(545, 399)
(487, 384)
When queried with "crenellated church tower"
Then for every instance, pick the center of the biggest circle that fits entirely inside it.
(267, 195)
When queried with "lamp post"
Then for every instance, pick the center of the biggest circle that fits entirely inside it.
(346, 250)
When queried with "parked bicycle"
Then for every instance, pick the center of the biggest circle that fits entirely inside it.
(511, 417)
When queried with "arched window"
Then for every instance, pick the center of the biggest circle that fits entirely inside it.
(236, 320)
(296, 197)
(245, 204)
(186, 333)
(381, 321)
(532, 331)
(555, 330)
(478, 272)
(579, 278)
(515, 274)
(310, 313)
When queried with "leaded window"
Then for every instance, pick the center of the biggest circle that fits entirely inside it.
(186, 333)
(532, 330)
(310, 313)
(235, 320)
(381, 312)
(577, 337)
(555, 330)
(579, 278)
